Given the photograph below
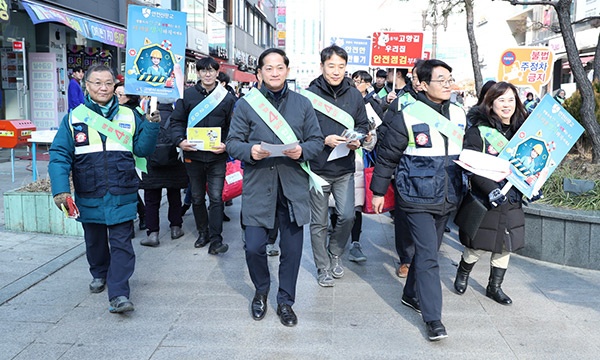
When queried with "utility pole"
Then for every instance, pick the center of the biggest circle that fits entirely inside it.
(432, 18)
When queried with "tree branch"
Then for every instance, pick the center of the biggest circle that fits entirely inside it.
(540, 2)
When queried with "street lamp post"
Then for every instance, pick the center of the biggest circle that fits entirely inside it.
(431, 18)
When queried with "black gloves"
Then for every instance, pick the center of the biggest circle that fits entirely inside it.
(496, 198)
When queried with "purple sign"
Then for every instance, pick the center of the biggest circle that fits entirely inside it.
(89, 28)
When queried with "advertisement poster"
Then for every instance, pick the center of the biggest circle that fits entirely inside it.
(396, 49)
(527, 67)
(540, 145)
(155, 52)
(43, 90)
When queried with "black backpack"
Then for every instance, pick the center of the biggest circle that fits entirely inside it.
(165, 153)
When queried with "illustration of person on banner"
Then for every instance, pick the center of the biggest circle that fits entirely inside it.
(275, 185)
(101, 143)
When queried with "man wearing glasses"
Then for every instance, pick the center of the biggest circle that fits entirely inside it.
(423, 138)
(98, 142)
(205, 105)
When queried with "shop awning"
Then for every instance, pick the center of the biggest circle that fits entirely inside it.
(242, 76)
(237, 74)
(584, 61)
(86, 26)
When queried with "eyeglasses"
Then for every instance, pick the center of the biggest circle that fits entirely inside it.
(358, 82)
(210, 72)
(99, 84)
(444, 83)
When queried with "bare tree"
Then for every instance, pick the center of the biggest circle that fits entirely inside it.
(459, 6)
(588, 103)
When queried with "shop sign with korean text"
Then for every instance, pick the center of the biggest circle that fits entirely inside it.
(540, 145)
(156, 40)
(527, 67)
(396, 49)
(358, 50)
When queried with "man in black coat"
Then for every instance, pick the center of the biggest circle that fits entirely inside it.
(423, 139)
(274, 186)
(207, 104)
(339, 107)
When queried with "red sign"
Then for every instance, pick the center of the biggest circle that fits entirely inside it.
(426, 55)
(18, 46)
(393, 49)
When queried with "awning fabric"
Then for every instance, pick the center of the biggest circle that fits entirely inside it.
(242, 76)
(584, 61)
(88, 27)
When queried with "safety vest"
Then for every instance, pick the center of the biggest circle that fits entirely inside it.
(426, 175)
(100, 167)
(423, 140)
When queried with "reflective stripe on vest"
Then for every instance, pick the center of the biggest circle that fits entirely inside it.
(457, 116)
(124, 119)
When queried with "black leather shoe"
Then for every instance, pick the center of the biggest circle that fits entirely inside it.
(217, 247)
(287, 315)
(412, 303)
(259, 306)
(142, 224)
(226, 218)
(202, 241)
(436, 330)
(97, 285)
(176, 232)
(185, 208)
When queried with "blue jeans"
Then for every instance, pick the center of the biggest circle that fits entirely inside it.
(212, 174)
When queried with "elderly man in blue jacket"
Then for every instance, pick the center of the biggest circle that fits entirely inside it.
(98, 143)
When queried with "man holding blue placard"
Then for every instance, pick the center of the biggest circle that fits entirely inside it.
(206, 105)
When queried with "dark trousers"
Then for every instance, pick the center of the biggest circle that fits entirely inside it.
(404, 243)
(212, 174)
(152, 198)
(423, 281)
(141, 209)
(290, 242)
(110, 255)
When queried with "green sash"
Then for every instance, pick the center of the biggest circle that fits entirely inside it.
(325, 107)
(436, 120)
(282, 129)
(494, 137)
(108, 129)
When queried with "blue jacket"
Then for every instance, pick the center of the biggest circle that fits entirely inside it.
(105, 181)
(75, 94)
(421, 158)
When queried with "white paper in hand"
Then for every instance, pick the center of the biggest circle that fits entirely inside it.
(485, 165)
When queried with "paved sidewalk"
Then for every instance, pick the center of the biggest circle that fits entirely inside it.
(191, 305)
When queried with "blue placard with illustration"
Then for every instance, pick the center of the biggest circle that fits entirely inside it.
(359, 50)
(540, 145)
(156, 41)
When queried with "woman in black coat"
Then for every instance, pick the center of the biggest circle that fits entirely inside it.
(502, 229)
(165, 170)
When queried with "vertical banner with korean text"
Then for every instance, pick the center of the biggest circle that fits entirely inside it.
(43, 90)
(156, 41)
(540, 145)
